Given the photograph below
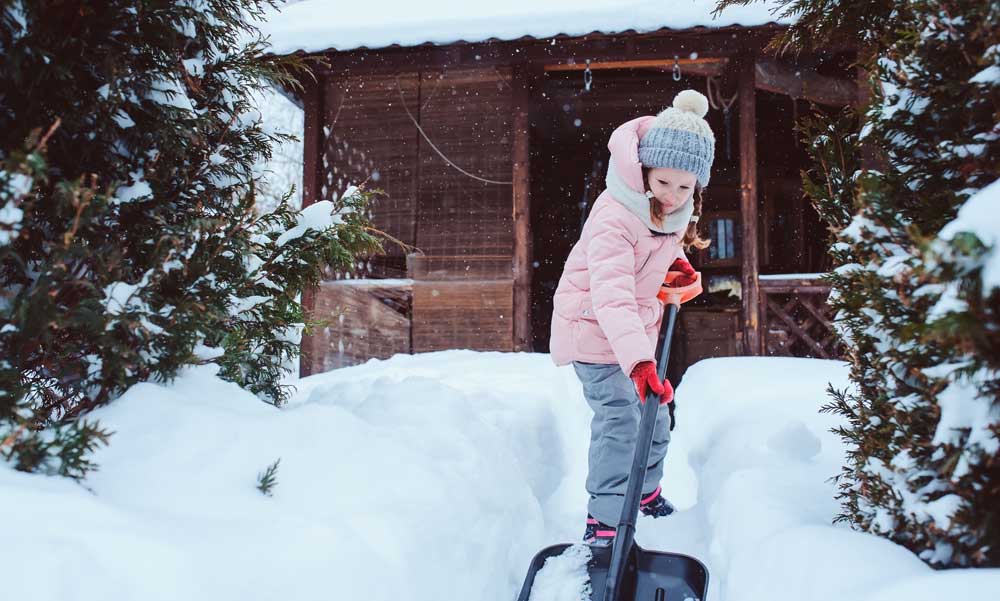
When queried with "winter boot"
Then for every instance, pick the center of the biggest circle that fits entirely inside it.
(598, 533)
(655, 505)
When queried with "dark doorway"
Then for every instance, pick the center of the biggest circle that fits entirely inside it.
(569, 156)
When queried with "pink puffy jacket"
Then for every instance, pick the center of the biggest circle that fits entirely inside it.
(605, 307)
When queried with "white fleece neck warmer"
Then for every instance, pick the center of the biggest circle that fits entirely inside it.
(638, 204)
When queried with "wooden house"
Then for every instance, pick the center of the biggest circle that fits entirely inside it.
(490, 153)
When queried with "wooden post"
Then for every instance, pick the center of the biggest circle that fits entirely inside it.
(312, 142)
(748, 200)
(523, 79)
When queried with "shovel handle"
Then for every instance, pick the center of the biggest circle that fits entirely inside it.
(625, 533)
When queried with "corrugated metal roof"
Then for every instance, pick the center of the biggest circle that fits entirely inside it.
(318, 25)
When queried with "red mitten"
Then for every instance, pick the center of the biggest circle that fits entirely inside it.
(689, 277)
(645, 379)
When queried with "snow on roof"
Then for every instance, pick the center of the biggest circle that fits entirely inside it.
(317, 25)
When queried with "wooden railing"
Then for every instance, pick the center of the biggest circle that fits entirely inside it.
(795, 319)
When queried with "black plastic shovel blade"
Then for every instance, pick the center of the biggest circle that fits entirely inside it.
(649, 575)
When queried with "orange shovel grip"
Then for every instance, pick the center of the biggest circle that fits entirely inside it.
(669, 295)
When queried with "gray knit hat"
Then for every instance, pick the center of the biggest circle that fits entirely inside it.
(680, 137)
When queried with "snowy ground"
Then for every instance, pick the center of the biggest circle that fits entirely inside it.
(437, 477)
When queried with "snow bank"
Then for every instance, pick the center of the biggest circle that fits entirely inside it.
(439, 476)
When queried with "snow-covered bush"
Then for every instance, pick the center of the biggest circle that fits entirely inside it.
(130, 241)
(915, 291)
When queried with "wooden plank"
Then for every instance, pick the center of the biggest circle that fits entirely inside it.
(464, 315)
(458, 267)
(359, 321)
(312, 138)
(799, 226)
(524, 81)
(788, 288)
(703, 334)
(748, 201)
(765, 326)
(659, 63)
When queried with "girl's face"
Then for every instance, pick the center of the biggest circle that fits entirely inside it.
(671, 188)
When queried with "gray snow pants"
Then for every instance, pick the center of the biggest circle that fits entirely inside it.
(613, 433)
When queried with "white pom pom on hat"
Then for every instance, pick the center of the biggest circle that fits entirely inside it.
(680, 137)
(692, 101)
(687, 113)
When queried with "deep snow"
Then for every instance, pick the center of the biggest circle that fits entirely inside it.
(438, 476)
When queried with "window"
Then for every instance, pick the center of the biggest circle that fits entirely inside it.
(722, 228)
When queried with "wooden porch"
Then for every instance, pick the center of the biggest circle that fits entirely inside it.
(468, 143)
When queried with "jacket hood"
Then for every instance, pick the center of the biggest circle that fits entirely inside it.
(624, 179)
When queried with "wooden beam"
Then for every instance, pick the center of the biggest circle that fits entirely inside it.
(798, 219)
(524, 80)
(771, 288)
(312, 143)
(312, 138)
(718, 62)
(748, 200)
(783, 78)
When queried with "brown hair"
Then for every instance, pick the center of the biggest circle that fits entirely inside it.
(691, 236)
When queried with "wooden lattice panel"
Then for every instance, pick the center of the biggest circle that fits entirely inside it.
(467, 116)
(796, 319)
(369, 136)
(475, 315)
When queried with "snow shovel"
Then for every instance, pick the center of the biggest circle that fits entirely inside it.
(624, 571)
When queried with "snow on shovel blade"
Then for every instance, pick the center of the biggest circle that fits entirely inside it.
(649, 575)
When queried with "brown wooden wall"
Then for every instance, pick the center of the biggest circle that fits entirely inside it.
(467, 116)
(357, 322)
(368, 137)
(457, 228)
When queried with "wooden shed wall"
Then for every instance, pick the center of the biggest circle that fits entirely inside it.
(458, 228)
(467, 116)
(368, 137)
(459, 286)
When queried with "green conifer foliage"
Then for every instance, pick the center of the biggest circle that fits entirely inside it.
(914, 303)
(129, 241)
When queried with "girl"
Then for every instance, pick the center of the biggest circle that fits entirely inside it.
(606, 315)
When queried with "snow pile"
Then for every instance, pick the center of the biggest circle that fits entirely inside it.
(439, 476)
(319, 216)
(315, 25)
